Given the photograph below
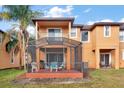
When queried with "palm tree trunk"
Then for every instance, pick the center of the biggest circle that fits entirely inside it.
(21, 56)
(24, 52)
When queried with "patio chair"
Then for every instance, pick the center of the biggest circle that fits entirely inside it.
(61, 66)
(46, 66)
(34, 67)
(53, 65)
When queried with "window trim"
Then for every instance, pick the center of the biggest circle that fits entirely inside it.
(119, 36)
(110, 56)
(75, 35)
(88, 37)
(54, 28)
(122, 54)
(109, 32)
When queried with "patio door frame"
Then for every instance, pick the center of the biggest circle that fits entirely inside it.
(104, 57)
(56, 53)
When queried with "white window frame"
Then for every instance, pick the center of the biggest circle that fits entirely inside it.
(122, 54)
(1, 38)
(88, 37)
(54, 28)
(75, 33)
(110, 57)
(119, 36)
(109, 31)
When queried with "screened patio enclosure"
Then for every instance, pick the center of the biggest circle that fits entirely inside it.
(63, 51)
(52, 55)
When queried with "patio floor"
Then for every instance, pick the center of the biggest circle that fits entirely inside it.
(54, 74)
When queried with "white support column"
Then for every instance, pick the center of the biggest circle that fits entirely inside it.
(36, 30)
(37, 50)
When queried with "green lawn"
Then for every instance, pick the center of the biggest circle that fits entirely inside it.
(98, 78)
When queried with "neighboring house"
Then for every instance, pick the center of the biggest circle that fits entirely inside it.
(7, 60)
(60, 40)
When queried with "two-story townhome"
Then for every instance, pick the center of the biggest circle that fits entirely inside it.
(64, 46)
(60, 40)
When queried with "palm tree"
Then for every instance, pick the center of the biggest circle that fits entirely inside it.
(21, 14)
(12, 45)
(13, 40)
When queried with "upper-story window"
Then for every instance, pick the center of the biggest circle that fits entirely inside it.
(121, 36)
(107, 31)
(1, 38)
(73, 33)
(85, 36)
(54, 32)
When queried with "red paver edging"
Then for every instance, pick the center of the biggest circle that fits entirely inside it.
(54, 75)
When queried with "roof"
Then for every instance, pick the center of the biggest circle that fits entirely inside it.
(86, 27)
(54, 19)
(77, 25)
(91, 27)
(105, 23)
(2, 31)
(122, 26)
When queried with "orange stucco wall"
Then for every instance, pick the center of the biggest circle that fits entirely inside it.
(5, 58)
(121, 48)
(97, 42)
(44, 29)
(91, 50)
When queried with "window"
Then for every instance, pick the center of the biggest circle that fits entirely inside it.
(1, 38)
(54, 32)
(73, 32)
(85, 36)
(122, 54)
(121, 36)
(107, 31)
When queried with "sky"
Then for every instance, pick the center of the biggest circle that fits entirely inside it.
(84, 14)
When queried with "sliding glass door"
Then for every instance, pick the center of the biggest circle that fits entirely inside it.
(105, 60)
(55, 57)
